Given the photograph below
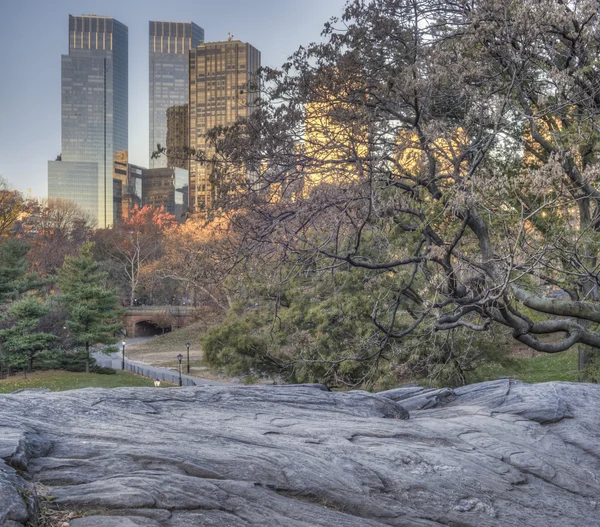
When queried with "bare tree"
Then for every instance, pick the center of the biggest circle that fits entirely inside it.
(201, 255)
(163, 320)
(55, 228)
(135, 243)
(12, 206)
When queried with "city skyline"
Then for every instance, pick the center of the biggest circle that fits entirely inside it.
(30, 134)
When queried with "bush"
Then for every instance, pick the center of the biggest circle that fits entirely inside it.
(322, 331)
(234, 348)
(102, 370)
(69, 361)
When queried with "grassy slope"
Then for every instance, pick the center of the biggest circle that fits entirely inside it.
(543, 368)
(62, 380)
(163, 350)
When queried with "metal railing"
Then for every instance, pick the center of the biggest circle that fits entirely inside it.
(147, 371)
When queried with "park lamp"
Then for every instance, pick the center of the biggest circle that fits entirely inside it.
(188, 356)
(180, 358)
(123, 359)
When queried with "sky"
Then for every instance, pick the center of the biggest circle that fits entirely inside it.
(34, 35)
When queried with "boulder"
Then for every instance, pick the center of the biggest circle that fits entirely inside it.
(499, 453)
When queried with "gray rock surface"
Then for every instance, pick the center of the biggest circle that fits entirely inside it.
(500, 453)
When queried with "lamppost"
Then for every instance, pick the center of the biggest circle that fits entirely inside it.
(180, 358)
(188, 356)
(123, 360)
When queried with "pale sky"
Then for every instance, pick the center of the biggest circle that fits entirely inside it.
(34, 35)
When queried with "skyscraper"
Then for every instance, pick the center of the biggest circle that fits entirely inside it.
(94, 115)
(178, 136)
(169, 47)
(168, 188)
(127, 185)
(223, 88)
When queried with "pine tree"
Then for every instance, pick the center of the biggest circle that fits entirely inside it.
(93, 315)
(14, 279)
(20, 340)
(23, 340)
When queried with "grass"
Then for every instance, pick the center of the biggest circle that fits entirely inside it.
(542, 368)
(59, 381)
(167, 346)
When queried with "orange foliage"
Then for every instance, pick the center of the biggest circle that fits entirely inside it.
(149, 218)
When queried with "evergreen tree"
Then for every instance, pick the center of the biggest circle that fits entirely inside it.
(23, 339)
(20, 340)
(14, 279)
(93, 316)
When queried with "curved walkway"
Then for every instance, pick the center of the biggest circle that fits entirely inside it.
(114, 360)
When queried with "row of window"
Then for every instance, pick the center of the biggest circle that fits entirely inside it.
(175, 29)
(93, 24)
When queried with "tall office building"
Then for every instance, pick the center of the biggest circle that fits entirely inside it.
(223, 88)
(168, 188)
(94, 115)
(127, 187)
(178, 136)
(169, 45)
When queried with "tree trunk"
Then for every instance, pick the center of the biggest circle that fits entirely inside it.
(588, 288)
(585, 357)
(87, 357)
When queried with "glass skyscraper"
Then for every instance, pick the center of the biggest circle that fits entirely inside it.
(169, 46)
(94, 115)
(223, 88)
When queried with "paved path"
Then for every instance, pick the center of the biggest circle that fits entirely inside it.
(114, 360)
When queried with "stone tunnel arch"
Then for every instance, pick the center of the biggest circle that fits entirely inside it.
(178, 316)
(147, 328)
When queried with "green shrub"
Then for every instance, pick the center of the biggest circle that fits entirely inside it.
(73, 361)
(319, 329)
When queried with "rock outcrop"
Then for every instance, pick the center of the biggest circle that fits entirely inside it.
(500, 453)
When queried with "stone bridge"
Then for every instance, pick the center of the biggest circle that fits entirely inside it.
(142, 321)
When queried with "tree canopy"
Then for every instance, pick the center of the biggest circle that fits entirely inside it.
(450, 146)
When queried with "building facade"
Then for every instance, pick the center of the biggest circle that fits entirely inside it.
(169, 47)
(127, 187)
(167, 187)
(223, 89)
(178, 136)
(94, 97)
